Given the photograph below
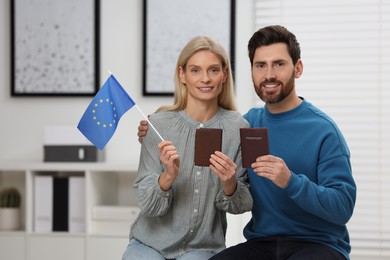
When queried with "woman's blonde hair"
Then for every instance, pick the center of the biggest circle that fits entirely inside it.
(200, 43)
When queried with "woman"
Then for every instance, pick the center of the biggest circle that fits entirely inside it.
(183, 206)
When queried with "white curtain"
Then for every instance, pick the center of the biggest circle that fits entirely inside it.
(345, 48)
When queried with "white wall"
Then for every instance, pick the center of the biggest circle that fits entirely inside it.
(22, 119)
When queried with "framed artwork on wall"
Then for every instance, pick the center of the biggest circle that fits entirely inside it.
(54, 47)
(168, 25)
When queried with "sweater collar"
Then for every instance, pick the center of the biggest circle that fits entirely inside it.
(288, 114)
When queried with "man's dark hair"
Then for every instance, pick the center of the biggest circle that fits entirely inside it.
(274, 34)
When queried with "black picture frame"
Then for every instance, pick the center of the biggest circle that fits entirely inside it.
(168, 25)
(55, 47)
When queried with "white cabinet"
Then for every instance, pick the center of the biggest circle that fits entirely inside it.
(59, 247)
(12, 245)
(110, 209)
(97, 247)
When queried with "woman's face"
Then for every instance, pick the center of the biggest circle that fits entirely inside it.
(203, 76)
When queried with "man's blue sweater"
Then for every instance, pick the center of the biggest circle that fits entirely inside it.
(320, 197)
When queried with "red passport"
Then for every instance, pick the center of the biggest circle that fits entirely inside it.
(207, 141)
(254, 143)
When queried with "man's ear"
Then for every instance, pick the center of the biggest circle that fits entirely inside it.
(298, 68)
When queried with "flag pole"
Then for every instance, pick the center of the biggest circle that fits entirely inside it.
(142, 113)
(162, 139)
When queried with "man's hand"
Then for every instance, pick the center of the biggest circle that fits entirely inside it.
(142, 130)
(273, 168)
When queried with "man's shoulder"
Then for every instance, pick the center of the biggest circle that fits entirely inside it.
(321, 116)
(254, 112)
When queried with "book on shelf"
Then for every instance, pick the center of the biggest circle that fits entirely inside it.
(59, 203)
(76, 204)
(43, 203)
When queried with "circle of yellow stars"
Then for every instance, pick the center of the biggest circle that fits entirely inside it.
(95, 118)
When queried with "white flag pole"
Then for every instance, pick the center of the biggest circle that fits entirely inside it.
(142, 113)
(162, 139)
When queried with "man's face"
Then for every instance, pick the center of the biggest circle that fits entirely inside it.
(273, 73)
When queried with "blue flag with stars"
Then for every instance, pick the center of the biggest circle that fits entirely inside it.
(101, 118)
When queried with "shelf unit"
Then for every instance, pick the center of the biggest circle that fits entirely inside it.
(108, 189)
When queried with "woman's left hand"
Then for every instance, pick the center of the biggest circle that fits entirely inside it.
(225, 168)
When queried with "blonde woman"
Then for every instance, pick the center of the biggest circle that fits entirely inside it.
(183, 206)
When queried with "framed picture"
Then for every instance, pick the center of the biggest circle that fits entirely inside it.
(169, 25)
(54, 47)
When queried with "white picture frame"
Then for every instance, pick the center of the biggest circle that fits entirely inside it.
(169, 25)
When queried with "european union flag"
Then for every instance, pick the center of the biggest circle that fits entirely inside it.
(102, 116)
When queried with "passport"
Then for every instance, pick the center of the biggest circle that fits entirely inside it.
(207, 141)
(254, 143)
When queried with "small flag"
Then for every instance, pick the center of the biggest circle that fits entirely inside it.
(101, 118)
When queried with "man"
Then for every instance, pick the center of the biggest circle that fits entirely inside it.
(303, 192)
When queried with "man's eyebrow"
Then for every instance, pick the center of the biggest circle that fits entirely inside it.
(274, 61)
(279, 60)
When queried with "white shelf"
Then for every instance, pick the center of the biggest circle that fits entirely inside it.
(76, 166)
(109, 198)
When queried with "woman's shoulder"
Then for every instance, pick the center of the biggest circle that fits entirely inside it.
(234, 118)
(163, 115)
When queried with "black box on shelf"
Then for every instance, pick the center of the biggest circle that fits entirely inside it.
(72, 153)
(68, 144)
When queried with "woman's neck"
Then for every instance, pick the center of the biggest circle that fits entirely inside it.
(201, 111)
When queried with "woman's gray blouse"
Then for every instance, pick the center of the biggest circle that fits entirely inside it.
(192, 214)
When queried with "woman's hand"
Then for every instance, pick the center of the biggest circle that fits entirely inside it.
(170, 158)
(225, 168)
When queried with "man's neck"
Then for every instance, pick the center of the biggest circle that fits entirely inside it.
(287, 104)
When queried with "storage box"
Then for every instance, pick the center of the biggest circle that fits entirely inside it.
(113, 213)
(71, 153)
(68, 144)
(114, 220)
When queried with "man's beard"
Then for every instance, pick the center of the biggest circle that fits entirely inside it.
(285, 90)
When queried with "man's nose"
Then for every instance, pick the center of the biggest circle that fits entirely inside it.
(270, 74)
